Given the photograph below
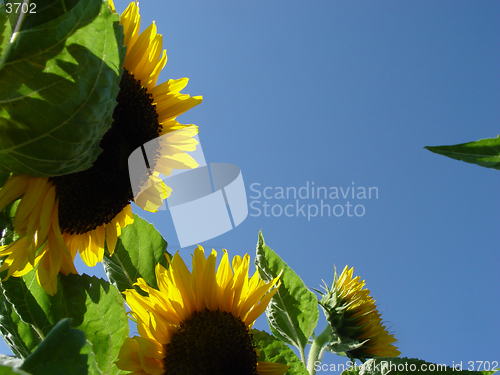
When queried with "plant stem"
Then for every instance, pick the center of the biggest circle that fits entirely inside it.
(317, 351)
(302, 354)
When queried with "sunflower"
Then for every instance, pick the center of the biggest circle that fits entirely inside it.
(198, 322)
(354, 318)
(60, 216)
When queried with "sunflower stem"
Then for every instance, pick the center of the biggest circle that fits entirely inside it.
(302, 355)
(317, 349)
(322, 351)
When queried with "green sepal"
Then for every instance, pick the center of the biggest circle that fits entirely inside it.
(343, 327)
(344, 347)
(272, 350)
(485, 152)
(58, 85)
(331, 304)
(293, 311)
(139, 249)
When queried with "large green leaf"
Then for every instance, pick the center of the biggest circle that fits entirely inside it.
(138, 250)
(36, 12)
(58, 84)
(293, 311)
(409, 366)
(30, 302)
(60, 353)
(485, 152)
(95, 307)
(92, 365)
(272, 350)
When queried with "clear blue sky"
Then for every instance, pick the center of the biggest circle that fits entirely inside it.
(343, 92)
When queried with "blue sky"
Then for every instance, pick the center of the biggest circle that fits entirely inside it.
(343, 92)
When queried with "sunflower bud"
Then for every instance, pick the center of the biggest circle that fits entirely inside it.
(356, 325)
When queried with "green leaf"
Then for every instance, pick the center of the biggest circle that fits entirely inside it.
(8, 235)
(485, 152)
(5, 370)
(293, 311)
(138, 250)
(93, 367)
(20, 336)
(5, 29)
(38, 12)
(58, 84)
(95, 307)
(272, 350)
(30, 302)
(59, 353)
(408, 366)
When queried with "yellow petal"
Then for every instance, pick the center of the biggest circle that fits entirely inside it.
(112, 235)
(128, 358)
(131, 22)
(13, 189)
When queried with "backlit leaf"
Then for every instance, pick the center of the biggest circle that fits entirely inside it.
(485, 152)
(138, 250)
(58, 84)
(293, 311)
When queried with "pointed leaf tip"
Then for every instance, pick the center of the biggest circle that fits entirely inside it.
(485, 152)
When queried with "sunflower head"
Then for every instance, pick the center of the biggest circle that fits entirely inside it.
(354, 319)
(198, 321)
(61, 216)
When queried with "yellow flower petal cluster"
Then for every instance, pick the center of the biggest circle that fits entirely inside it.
(180, 295)
(41, 240)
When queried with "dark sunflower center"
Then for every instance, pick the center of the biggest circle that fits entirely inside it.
(211, 343)
(95, 196)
